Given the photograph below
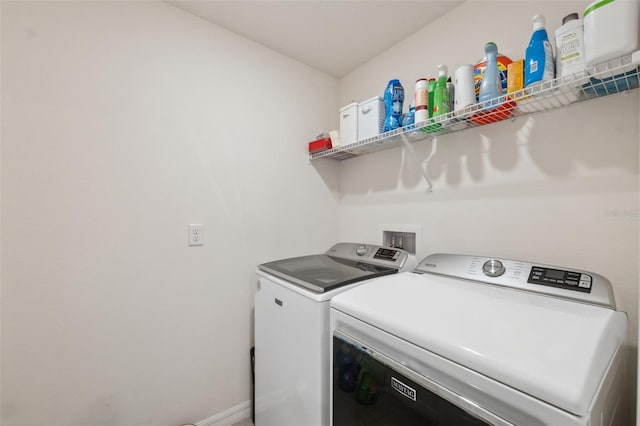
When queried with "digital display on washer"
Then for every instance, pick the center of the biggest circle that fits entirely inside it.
(568, 280)
(553, 273)
(387, 254)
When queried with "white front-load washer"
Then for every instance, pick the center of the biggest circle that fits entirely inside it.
(292, 327)
(468, 340)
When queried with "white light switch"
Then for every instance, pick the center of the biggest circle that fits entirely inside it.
(196, 234)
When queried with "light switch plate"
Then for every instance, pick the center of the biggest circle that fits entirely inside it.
(196, 234)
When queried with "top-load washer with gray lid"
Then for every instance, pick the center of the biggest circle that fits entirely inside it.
(292, 327)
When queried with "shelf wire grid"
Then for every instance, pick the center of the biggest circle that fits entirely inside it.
(618, 75)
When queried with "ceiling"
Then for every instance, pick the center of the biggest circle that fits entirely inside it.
(332, 36)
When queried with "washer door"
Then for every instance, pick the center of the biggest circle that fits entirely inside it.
(370, 388)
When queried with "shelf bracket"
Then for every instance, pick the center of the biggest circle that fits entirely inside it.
(412, 154)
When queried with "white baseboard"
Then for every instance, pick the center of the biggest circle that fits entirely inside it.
(228, 417)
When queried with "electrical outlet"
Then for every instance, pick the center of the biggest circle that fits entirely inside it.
(196, 234)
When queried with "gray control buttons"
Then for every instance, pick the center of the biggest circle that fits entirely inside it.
(493, 268)
(361, 250)
(585, 281)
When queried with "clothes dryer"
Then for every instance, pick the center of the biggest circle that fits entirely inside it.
(469, 340)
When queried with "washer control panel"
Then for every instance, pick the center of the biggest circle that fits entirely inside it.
(387, 254)
(374, 254)
(569, 280)
(548, 280)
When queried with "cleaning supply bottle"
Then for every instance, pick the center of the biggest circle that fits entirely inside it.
(570, 47)
(421, 101)
(538, 62)
(393, 100)
(491, 85)
(450, 93)
(409, 118)
(431, 90)
(441, 102)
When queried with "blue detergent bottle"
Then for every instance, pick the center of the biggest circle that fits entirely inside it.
(393, 100)
(538, 63)
(491, 85)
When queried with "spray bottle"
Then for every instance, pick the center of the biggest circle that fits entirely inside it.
(538, 63)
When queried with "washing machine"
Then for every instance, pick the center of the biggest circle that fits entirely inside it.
(469, 340)
(292, 327)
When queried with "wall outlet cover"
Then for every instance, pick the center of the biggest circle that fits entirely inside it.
(196, 234)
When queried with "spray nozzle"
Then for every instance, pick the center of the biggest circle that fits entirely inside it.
(538, 22)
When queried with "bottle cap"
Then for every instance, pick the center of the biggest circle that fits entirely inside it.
(538, 22)
(490, 47)
(570, 17)
(442, 70)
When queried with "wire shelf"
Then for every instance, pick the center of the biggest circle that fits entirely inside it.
(618, 75)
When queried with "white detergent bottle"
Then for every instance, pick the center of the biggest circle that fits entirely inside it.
(538, 63)
(570, 47)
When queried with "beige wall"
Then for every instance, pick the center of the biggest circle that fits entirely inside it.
(122, 123)
(558, 188)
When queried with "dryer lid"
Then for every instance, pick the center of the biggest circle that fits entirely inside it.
(552, 349)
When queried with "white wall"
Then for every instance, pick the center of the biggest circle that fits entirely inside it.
(123, 122)
(558, 188)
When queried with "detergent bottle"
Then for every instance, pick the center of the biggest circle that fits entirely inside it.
(441, 102)
(393, 100)
(491, 85)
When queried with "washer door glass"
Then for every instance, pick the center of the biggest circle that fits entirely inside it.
(369, 392)
(322, 273)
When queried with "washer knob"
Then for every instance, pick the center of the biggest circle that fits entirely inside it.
(493, 268)
(361, 250)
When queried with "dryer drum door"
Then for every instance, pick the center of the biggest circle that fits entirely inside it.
(370, 388)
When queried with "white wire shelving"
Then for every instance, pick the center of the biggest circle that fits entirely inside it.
(615, 76)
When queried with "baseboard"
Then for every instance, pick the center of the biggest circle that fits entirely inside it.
(228, 417)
